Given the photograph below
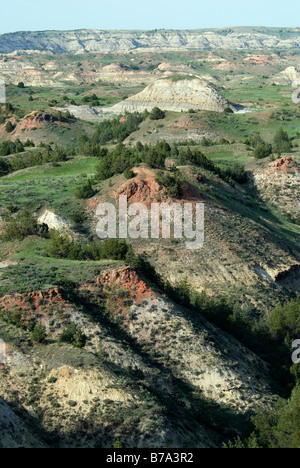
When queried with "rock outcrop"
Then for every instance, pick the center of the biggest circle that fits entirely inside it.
(278, 184)
(287, 76)
(53, 221)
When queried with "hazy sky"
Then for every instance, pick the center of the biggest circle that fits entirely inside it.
(37, 15)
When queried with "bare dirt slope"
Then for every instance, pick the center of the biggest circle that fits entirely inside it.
(242, 255)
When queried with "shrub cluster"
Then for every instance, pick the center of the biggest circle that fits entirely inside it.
(62, 246)
(30, 159)
(20, 226)
(122, 158)
(73, 335)
(173, 184)
(282, 143)
(117, 129)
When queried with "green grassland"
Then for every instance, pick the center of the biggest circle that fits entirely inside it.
(36, 271)
(45, 97)
(51, 185)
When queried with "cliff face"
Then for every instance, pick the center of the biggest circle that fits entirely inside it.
(82, 41)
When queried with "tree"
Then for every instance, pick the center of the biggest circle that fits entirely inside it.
(157, 114)
(206, 142)
(4, 167)
(284, 321)
(61, 246)
(39, 334)
(237, 172)
(128, 173)
(280, 428)
(172, 184)
(263, 150)
(29, 144)
(9, 127)
(73, 335)
(288, 427)
(282, 142)
(9, 108)
(21, 85)
(114, 250)
(85, 191)
(255, 140)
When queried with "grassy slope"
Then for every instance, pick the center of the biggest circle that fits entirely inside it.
(50, 185)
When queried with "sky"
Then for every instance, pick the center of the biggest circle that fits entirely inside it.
(38, 15)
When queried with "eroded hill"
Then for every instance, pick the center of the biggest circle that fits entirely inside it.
(177, 95)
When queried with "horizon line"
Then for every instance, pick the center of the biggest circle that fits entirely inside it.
(149, 30)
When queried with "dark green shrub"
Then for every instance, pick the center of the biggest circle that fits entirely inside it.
(61, 246)
(128, 173)
(282, 142)
(4, 167)
(263, 151)
(39, 334)
(29, 144)
(73, 335)
(19, 227)
(114, 249)
(72, 403)
(173, 184)
(85, 191)
(157, 114)
(52, 380)
(9, 127)
(10, 147)
(284, 321)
